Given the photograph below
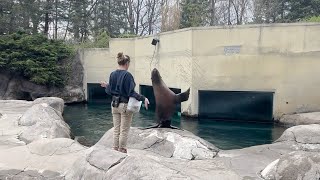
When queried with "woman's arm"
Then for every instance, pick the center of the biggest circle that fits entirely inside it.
(105, 85)
(132, 93)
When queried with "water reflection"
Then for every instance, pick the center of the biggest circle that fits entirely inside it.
(93, 120)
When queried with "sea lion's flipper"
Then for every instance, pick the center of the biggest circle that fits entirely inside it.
(173, 127)
(150, 127)
(159, 126)
(182, 96)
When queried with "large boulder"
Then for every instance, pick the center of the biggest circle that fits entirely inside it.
(55, 102)
(248, 162)
(57, 146)
(30, 174)
(95, 164)
(41, 159)
(299, 165)
(71, 94)
(300, 119)
(173, 143)
(152, 154)
(102, 162)
(21, 89)
(306, 137)
(43, 121)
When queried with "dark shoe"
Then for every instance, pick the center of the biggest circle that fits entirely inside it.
(123, 150)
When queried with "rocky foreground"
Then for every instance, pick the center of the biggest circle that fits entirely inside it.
(35, 144)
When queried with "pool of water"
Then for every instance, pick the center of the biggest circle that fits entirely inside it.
(93, 120)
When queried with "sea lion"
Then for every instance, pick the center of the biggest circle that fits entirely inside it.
(166, 100)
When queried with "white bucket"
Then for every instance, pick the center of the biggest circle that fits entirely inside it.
(134, 105)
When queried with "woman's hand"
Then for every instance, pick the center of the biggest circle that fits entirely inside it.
(146, 103)
(103, 84)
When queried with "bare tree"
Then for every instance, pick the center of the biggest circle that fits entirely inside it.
(240, 7)
(47, 18)
(213, 12)
(129, 14)
(152, 14)
(142, 15)
(231, 11)
(170, 15)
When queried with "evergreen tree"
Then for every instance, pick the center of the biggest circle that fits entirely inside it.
(273, 11)
(109, 17)
(34, 57)
(302, 9)
(194, 13)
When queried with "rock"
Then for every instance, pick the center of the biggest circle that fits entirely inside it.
(55, 102)
(14, 93)
(298, 165)
(300, 119)
(11, 110)
(29, 174)
(104, 163)
(98, 161)
(173, 143)
(306, 134)
(83, 141)
(4, 81)
(145, 166)
(71, 94)
(15, 87)
(57, 146)
(21, 89)
(76, 75)
(41, 159)
(248, 162)
(152, 154)
(14, 106)
(43, 121)
(306, 137)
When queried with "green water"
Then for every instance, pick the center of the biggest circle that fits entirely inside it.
(93, 120)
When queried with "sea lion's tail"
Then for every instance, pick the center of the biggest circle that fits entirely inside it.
(182, 96)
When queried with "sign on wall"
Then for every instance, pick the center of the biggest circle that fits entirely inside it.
(235, 49)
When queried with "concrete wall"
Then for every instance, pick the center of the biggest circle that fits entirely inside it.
(282, 58)
(97, 65)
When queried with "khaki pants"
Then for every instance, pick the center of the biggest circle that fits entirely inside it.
(121, 123)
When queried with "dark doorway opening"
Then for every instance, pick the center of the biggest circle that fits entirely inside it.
(97, 94)
(236, 105)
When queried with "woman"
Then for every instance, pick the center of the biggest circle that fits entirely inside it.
(121, 86)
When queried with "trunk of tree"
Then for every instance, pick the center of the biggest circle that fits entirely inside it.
(151, 15)
(56, 21)
(68, 21)
(229, 11)
(46, 18)
(268, 11)
(109, 18)
(213, 12)
(130, 16)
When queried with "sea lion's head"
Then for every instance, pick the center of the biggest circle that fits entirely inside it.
(155, 76)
